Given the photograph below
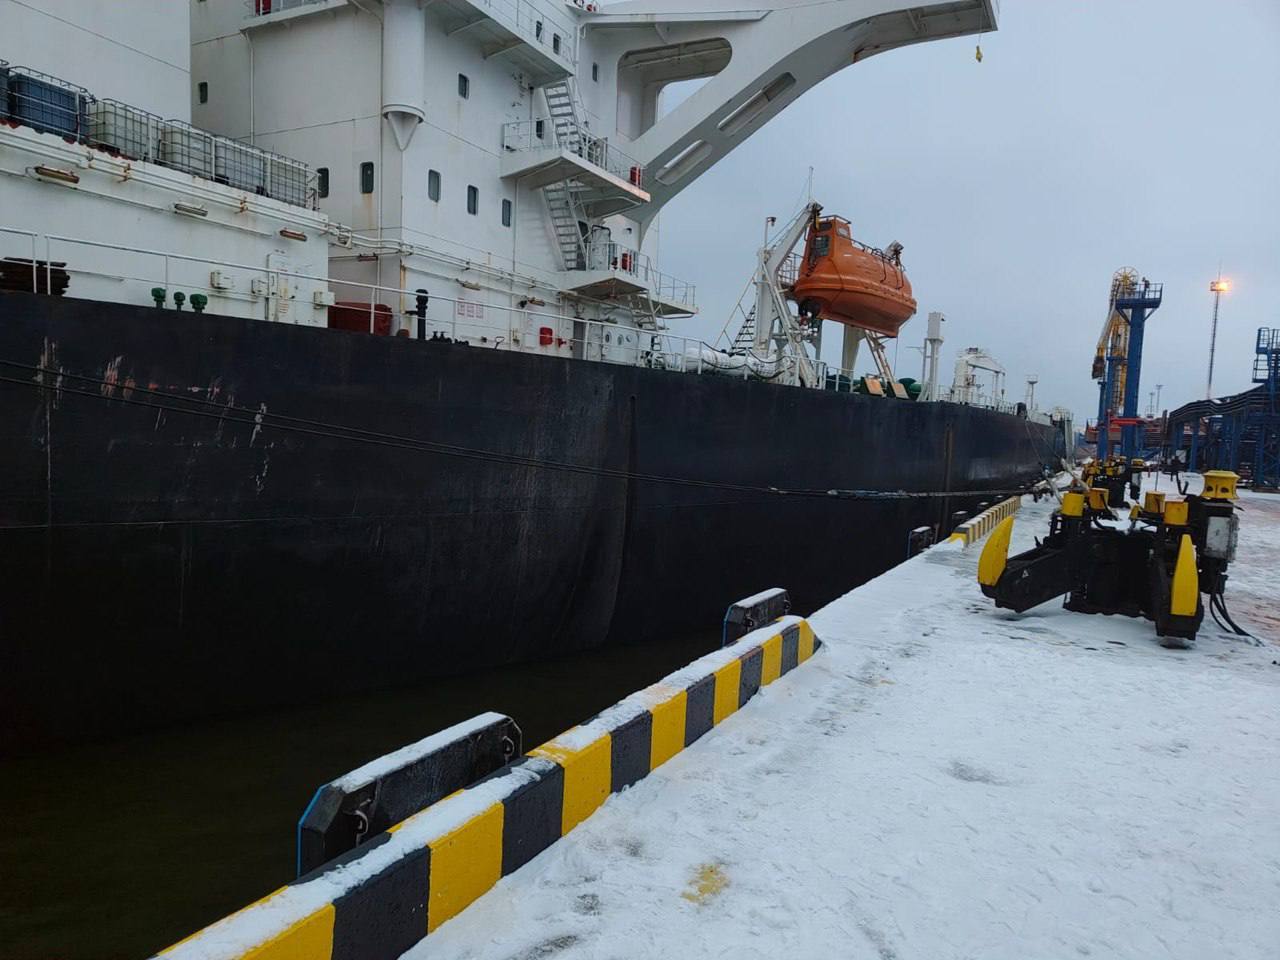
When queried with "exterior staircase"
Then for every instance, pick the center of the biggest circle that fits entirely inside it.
(566, 117)
(564, 221)
(581, 196)
(563, 110)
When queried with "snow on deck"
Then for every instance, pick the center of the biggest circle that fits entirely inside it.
(946, 780)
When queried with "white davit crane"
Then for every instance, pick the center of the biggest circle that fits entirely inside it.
(774, 320)
(770, 342)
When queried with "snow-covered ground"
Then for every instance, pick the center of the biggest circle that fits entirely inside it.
(946, 780)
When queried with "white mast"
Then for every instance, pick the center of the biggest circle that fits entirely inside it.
(932, 355)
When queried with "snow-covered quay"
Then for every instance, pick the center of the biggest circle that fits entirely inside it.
(946, 780)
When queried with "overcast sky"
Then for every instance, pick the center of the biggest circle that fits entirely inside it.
(1092, 136)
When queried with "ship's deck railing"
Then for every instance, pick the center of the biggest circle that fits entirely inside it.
(789, 270)
(611, 255)
(49, 257)
(48, 104)
(973, 398)
(548, 134)
(534, 22)
(264, 8)
(45, 256)
(483, 325)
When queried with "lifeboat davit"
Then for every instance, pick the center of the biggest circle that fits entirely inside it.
(849, 282)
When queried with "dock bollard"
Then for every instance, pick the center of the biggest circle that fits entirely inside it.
(919, 540)
(363, 803)
(755, 611)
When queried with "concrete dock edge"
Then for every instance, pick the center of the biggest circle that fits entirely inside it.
(975, 528)
(386, 895)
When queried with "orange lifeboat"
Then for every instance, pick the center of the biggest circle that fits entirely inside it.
(846, 281)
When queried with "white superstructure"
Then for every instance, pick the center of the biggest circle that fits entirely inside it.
(508, 157)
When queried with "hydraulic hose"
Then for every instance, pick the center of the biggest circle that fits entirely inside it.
(1221, 603)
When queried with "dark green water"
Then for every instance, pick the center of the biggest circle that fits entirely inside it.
(118, 849)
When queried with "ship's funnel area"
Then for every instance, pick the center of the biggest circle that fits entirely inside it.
(404, 67)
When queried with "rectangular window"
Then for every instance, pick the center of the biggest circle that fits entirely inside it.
(595, 72)
(322, 181)
(539, 128)
(555, 43)
(473, 200)
(506, 213)
(433, 185)
(464, 86)
(366, 177)
(202, 89)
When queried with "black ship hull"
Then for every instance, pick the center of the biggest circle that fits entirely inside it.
(202, 514)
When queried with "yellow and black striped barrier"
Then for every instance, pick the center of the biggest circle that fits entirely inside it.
(380, 899)
(974, 529)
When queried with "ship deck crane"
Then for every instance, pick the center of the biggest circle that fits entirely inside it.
(964, 384)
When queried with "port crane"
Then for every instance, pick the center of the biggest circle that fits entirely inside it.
(1117, 362)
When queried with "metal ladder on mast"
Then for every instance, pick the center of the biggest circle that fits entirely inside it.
(746, 337)
(876, 344)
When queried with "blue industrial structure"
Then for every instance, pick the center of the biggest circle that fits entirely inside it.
(1118, 364)
(1240, 432)
(1137, 304)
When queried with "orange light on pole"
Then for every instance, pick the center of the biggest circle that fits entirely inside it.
(1217, 288)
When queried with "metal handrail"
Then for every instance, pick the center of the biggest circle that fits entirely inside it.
(654, 349)
(42, 260)
(971, 397)
(789, 270)
(549, 134)
(535, 22)
(524, 17)
(264, 8)
(611, 255)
